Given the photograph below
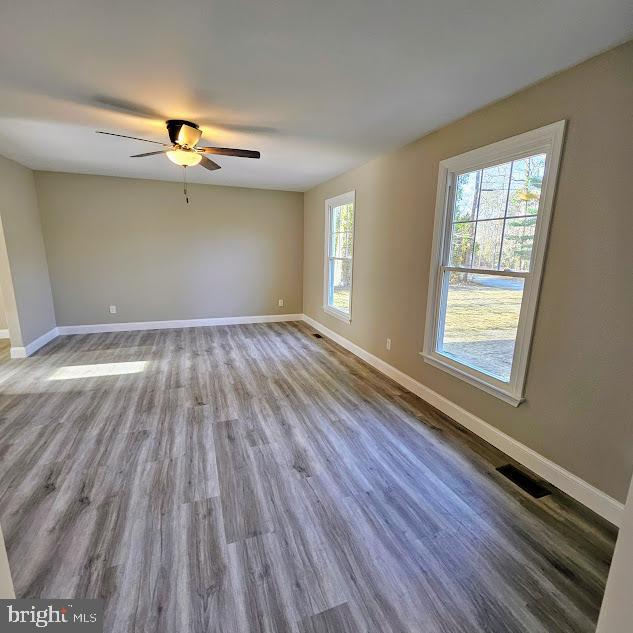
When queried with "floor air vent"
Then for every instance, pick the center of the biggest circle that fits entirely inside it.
(317, 336)
(524, 481)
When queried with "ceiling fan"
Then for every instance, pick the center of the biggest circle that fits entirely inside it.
(183, 149)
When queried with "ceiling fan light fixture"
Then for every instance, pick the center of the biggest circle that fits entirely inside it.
(183, 157)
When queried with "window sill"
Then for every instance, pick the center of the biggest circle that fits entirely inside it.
(503, 394)
(341, 316)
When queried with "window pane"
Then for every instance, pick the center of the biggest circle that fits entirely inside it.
(342, 218)
(494, 191)
(481, 321)
(462, 243)
(340, 286)
(525, 187)
(467, 196)
(518, 238)
(487, 244)
(341, 244)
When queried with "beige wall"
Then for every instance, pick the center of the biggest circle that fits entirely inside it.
(578, 409)
(8, 295)
(137, 244)
(23, 268)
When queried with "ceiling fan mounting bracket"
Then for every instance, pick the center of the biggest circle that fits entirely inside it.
(174, 126)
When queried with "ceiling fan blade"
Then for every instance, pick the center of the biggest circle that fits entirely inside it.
(209, 164)
(236, 127)
(228, 151)
(127, 107)
(160, 151)
(135, 138)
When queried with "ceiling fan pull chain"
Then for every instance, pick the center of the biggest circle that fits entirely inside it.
(185, 183)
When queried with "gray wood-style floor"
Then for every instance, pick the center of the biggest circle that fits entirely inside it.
(255, 478)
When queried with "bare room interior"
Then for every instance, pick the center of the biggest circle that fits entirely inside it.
(315, 317)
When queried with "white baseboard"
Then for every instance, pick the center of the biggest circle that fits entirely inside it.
(23, 352)
(182, 323)
(4, 334)
(598, 501)
(33, 346)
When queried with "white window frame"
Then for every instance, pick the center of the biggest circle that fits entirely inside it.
(331, 203)
(546, 140)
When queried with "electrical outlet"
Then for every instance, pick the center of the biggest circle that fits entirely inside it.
(280, 303)
(388, 344)
(112, 309)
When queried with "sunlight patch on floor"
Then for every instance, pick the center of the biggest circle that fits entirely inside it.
(101, 369)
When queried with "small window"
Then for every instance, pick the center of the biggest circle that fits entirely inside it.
(492, 219)
(339, 255)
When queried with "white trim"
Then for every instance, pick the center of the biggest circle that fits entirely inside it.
(337, 314)
(181, 323)
(548, 140)
(616, 612)
(33, 346)
(472, 377)
(331, 203)
(4, 334)
(484, 271)
(598, 501)
(24, 352)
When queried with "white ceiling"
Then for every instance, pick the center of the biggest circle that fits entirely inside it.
(318, 86)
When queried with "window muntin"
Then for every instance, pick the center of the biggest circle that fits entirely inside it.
(494, 215)
(492, 218)
(339, 255)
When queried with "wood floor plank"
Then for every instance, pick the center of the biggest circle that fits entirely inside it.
(254, 478)
(261, 585)
(243, 503)
(338, 619)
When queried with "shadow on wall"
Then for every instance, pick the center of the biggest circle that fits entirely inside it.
(4, 325)
(6, 584)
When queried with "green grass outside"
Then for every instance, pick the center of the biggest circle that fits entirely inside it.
(479, 313)
(341, 300)
(481, 325)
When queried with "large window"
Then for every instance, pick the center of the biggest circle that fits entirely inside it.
(339, 254)
(491, 227)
